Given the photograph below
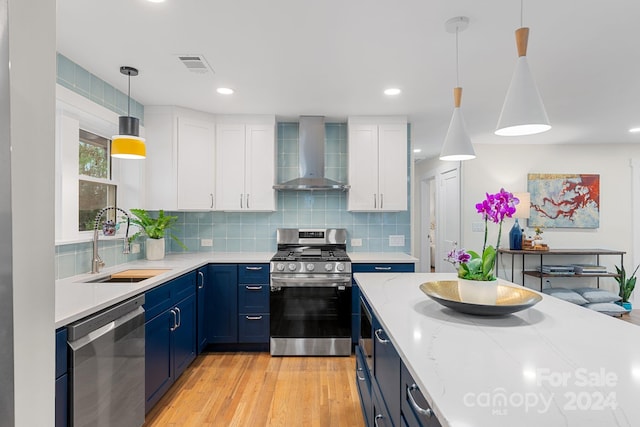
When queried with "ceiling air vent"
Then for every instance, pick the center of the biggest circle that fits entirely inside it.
(195, 63)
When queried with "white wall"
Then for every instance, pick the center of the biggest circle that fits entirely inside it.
(32, 47)
(507, 166)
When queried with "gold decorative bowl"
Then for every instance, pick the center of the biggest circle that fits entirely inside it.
(509, 299)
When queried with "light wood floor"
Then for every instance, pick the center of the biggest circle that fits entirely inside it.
(255, 389)
(632, 317)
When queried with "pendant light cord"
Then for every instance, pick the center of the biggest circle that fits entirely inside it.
(129, 96)
(457, 64)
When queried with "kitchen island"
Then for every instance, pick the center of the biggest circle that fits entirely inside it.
(554, 364)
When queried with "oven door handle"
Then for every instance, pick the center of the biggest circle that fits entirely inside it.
(307, 281)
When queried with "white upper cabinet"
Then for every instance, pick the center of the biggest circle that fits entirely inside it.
(245, 163)
(180, 160)
(377, 164)
(196, 177)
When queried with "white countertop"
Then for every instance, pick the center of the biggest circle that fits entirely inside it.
(382, 257)
(554, 364)
(75, 298)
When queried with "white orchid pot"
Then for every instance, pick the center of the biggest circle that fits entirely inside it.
(155, 249)
(477, 291)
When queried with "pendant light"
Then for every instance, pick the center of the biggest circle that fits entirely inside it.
(457, 144)
(523, 112)
(128, 144)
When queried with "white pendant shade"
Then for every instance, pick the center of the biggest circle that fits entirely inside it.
(457, 144)
(523, 112)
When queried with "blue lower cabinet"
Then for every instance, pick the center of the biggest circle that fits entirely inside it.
(416, 411)
(170, 334)
(158, 357)
(363, 381)
(221, 304)
(380, 414)
(184, 342)
(202, 284)
(62, 380)
(386, 365)
(253, 303)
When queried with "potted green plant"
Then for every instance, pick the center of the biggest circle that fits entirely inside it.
(477, 282)
(155, 229)
(627, 285)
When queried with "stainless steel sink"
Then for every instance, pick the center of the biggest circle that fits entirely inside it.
(128, 276)
(109, 279)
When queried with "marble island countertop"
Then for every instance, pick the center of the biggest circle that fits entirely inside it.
(76, 297)
(554, 364)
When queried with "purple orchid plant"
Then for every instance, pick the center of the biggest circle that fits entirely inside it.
(472, 266)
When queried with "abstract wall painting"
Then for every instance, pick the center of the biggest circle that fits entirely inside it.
(564, 200)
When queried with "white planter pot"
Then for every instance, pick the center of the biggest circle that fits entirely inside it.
(478, 292)
(155, 249)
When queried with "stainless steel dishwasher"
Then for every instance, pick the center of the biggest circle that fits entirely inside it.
(107, 367)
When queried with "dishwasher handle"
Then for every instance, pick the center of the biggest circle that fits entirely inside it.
(97, 321)
(124, 324)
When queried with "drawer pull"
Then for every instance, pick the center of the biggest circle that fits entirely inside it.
(358, 374)
(253, 317)
(380, 340)
(427, 412)
(378, 417)
(253, 268)
(382, 268)
(253, 288)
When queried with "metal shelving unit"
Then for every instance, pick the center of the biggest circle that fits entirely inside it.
(554, 252)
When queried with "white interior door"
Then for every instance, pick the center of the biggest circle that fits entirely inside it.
(447, 217)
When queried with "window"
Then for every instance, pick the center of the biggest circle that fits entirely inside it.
(96, 189)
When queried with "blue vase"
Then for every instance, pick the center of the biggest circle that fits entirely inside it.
(515, 237)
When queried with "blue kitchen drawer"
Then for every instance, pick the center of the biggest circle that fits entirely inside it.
(253, 274)
(253, 298)
(253, 328)
(415, 408)
(383, 268)
(165, 296)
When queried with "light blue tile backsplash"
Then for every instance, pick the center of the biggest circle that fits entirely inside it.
(250, 231)
(256, 231)
(74, 77)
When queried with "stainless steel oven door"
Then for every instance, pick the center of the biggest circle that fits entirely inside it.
(310, 315)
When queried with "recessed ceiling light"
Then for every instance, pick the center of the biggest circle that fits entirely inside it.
(634, 130)
(392, 91)
(156, 1)
(224, 91)
(417, 150)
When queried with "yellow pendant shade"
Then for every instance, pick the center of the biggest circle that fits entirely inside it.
(128, 147)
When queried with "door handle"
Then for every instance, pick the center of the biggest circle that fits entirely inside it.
(382, 268)
(179, 317)
(253, 288)
(248, 207)
(253, 317)
(380, 340)
(240, 200)
(254, 268)
(175, 321)
(381, 201)
(375, 200)
(428, 412)
(201, 276)
(211, 194)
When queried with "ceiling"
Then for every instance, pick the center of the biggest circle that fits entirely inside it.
(335, 58)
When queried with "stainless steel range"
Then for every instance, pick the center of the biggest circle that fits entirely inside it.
(311, 293)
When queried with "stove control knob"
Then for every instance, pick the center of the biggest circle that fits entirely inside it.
(292, 267)
(280, 266)
(310, 267)
(340, 266)
(328, 267)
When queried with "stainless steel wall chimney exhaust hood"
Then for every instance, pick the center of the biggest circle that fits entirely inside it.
(311, 151)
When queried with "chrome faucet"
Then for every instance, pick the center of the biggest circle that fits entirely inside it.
(97, 262)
